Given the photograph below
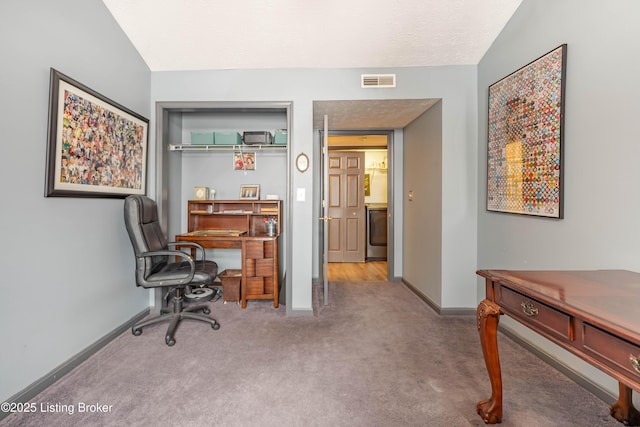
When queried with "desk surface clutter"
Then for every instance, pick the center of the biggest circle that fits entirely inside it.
(221, 232)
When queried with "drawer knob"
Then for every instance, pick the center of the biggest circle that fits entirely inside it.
(635, 362)
(529, 309)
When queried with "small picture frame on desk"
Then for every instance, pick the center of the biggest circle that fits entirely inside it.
(250, 191)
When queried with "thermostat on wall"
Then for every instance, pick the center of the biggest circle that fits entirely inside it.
(272, 197)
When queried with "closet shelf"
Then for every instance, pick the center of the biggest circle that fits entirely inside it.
(196, 148)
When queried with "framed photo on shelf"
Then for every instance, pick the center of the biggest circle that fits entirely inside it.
(524, 141)
(250, 191)
(96, 147)
(244, 161)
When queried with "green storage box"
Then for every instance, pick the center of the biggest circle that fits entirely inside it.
(228, 138)
(280, 137)
(202, 138)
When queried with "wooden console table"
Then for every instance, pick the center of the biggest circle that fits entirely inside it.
(593, 314)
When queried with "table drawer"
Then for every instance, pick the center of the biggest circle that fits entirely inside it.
(536, 314)
(613, 351)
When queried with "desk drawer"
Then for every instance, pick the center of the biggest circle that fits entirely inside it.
(613, 351)
(535, 314)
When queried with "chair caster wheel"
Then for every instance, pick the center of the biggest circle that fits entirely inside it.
(170, 342)
(216, 326)
(136, 332)
(206, 310)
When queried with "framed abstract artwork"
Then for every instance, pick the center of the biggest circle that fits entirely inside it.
(96, 147)
(524, 143)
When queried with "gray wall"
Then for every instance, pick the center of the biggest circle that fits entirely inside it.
(67, 266)
(601, 147)
(422, 240)
(455, 85)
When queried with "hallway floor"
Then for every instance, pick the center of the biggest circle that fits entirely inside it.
(372, 271)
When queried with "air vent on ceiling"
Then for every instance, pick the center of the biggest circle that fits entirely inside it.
(378, 80)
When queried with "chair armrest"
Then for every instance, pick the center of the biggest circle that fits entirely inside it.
(189, 258)
(189, 245)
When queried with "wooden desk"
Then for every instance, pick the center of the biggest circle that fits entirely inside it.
(259, 261)
(593, 314)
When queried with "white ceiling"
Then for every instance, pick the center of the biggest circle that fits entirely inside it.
(179, 35)
(258, 34)
(377, 114)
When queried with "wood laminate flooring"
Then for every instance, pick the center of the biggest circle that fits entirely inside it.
(372, 271)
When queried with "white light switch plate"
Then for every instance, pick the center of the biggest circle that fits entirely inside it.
(300, 195)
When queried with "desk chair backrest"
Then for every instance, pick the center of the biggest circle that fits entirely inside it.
(143, 226)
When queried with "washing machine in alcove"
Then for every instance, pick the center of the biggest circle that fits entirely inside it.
(376, 232)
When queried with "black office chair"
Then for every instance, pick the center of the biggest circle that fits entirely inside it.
(156, 267)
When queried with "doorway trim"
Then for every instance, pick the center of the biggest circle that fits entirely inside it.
(165, 113)
(390, 192)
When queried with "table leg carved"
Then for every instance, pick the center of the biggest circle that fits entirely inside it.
(488, 315)
(623, 410)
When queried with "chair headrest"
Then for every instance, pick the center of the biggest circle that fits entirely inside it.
(143, 207)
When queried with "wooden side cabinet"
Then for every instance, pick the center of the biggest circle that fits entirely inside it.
(259, 269)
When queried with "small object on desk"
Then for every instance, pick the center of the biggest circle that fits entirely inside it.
(201, 193)
(271, 225)
(271, 229)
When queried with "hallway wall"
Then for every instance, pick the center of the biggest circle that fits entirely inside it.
(422, 220)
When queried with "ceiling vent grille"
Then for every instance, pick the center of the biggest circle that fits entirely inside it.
(378, 80)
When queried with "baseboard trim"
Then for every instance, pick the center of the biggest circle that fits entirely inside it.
(575, 376)
(435, 307)
(300, 312)
(453, 311)
(46, 381)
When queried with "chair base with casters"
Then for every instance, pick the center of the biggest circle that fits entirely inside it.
(175, 315)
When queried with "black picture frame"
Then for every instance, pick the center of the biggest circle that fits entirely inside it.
(96, 147)
(525, 138)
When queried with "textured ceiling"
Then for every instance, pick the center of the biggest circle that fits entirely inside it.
(369, 114)
(257, 34)
(265, 34)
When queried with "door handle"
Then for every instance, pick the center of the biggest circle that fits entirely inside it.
(325, 218)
